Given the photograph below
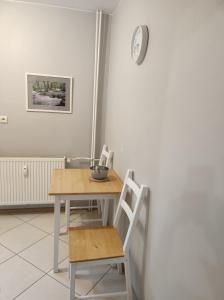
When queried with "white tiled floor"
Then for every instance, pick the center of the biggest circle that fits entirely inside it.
(26, 256)
(5, 254)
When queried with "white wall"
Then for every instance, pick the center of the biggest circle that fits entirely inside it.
(46, 40)
(165, 120)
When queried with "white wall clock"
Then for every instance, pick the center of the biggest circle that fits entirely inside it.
(139, 43)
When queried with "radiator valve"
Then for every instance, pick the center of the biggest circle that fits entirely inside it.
(25, 171)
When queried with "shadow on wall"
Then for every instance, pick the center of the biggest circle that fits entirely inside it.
(139, 238)
(188, 262)
(138, 258)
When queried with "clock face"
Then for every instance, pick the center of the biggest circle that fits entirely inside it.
(139, 43)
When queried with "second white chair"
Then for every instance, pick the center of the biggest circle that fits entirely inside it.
(105, 159)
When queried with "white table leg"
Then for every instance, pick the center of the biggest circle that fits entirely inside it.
(57, 211)
(67, 214)
(72, 281)
(105, 211)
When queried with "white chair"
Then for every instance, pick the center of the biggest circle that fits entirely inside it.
(103, 245)
(105, 159)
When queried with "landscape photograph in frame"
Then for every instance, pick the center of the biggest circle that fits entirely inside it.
(49, 93)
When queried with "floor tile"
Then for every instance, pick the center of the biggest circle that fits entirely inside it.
(62, 275)
(75, 213)
(33, 241)
(75, 223)
(21, 237)
(76, 220)
(63, 235)
(41, 253)
(4, 254)
(26, 217)
(111, 282)
(45, 289)
(46, 222)
(16, 275)
(85, 279)
(7, 222)
(86, 215)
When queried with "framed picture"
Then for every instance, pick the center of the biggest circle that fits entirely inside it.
(48, 93)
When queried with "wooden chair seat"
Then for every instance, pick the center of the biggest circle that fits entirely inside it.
(86, 244)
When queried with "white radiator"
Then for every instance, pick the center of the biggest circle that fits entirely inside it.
(26, 180)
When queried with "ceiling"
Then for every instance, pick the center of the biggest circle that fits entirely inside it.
(107, 6)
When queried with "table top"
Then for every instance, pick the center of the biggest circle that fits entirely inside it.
(77, 182)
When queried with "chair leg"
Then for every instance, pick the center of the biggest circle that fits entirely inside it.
(105, 211)
(128, 279)
(99, 207)
(90, 204)
(67, 214)
(72, 281)
(119, 268)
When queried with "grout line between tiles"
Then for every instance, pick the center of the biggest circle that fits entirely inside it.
(20, 252)
(7, 259)
(37, 227)
(27, 261)
(17, 253)
(94, 285)
(27, 288)
(32, 244)
(98, 281)
(8, 248)
(16, 216)
(44, 274)
(11, 228)
(60, 261)
(60, 240)
(27, 222)
(58, 281)
(23, 222)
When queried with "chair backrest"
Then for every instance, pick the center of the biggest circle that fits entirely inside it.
(140, 193)
(106, 157)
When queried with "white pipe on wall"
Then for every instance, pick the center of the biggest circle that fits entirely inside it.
(94, 87)
(96, 79)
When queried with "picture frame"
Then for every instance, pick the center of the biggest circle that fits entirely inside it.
(48, 93)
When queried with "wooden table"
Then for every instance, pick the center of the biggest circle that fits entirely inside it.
(75, 184)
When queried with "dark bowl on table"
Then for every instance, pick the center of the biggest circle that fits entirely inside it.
(99, 172)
